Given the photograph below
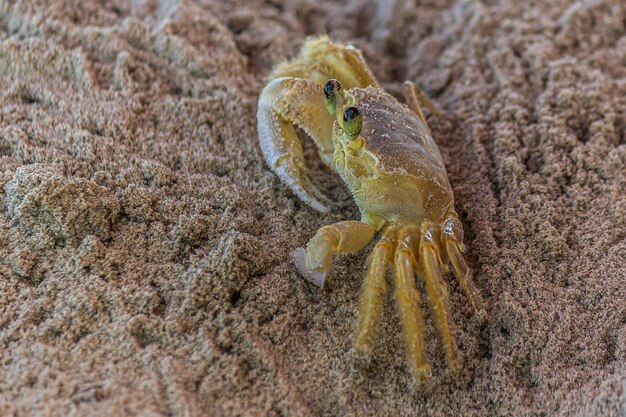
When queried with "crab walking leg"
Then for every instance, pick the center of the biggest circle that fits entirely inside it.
(356, 66)
(438, 297)
(316, 261)
(284, 102)
(451, 229)
(374, 287)
(321, 59)
(416, 99)
(410, 96)
(410, 309)
(463, 274)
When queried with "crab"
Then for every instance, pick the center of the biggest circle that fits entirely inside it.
(385, 154)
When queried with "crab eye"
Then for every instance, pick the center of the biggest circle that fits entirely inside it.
(352, 122)
(331, 90)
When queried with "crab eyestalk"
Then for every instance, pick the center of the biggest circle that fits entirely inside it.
(332, 88)
(352, 122)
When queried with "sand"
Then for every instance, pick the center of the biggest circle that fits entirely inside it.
(144, 243)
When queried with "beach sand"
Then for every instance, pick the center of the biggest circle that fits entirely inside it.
(145, 244)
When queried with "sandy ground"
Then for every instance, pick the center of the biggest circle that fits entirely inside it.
(144, 243)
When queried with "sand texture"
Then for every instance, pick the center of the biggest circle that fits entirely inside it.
(144, 243)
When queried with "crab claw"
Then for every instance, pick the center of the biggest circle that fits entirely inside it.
(316, 261)
(316, 276)
(280, 106)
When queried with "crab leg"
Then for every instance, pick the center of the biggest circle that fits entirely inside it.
(454, 250)
(438, 296)
(321, 59)
(374, 287)
(462, 273)
(415, 99)
(410, 307)
(316, 261)
(283, 103)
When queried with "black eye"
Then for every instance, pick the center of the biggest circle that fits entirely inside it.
(351, 113)
(331, 90)
(352, 122)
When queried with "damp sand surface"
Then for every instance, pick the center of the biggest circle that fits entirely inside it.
(144, 243)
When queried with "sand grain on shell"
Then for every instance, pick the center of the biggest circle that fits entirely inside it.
(144, 243)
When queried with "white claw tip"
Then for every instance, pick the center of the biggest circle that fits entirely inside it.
(318, 206)
(316, 276)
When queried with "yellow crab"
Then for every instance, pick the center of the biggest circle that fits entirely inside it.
(384, 152)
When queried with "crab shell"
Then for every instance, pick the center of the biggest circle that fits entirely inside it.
(395, 171)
